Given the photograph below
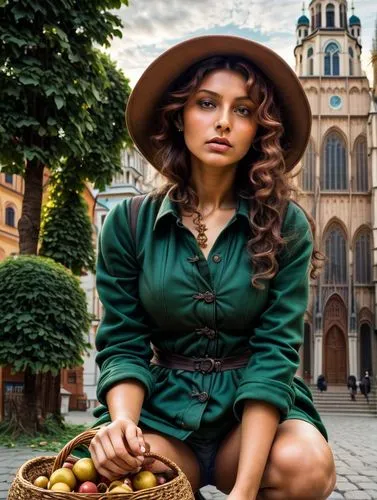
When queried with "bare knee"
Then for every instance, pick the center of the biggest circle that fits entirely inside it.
(301, 470)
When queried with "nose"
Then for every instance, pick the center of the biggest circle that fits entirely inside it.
(223, 122)
(222, 125)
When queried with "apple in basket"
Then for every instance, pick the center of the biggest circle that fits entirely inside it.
(88, 487)
(82, 477)
(84, 470)
(144, 480)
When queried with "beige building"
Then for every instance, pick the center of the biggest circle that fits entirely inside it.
(338, 183)
(11, 195)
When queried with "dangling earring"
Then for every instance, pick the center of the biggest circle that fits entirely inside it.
(179, 129)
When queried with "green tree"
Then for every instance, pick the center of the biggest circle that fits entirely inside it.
(61, 101)
(66, 230)
(44, 324)
(55, 90)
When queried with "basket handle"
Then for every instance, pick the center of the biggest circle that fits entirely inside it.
(86, 437)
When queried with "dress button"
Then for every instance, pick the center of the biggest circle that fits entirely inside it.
(208, 297)
(216, 259)
(203, 397)
(207, 332)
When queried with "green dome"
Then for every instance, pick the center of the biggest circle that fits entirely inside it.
(303, 20)
(354, 20)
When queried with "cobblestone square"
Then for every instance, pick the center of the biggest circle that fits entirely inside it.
(353, 440)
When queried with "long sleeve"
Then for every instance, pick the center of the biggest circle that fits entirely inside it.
(277, 336)
(123, 337)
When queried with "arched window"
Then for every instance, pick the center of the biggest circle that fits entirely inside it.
(365, 349)
(343, 16)
(308, 173)
(336, 253)
(330, 16)
(299, 33)
(334, 176)
(361, 157)
(306, 32)
(363, 260)
(332, 59)
(10, 217)
(310, 57)
(318, 16)
(313, 19)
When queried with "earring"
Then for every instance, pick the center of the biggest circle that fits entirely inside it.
(179, 129)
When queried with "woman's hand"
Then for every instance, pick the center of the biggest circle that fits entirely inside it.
(119, 448)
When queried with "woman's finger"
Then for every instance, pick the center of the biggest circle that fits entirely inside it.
(104, 454)
(119, 455)
(132, 438)
(140, 436)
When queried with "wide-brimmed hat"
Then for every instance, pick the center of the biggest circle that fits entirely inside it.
(163, 71)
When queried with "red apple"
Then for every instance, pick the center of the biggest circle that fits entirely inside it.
(88, 487)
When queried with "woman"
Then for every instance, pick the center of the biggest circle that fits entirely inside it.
(216, 281)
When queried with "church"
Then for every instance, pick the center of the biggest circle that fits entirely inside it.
(337, 179)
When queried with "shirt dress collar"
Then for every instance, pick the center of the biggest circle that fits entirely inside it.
(170, 207)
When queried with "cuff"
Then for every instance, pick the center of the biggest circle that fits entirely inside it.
(276, 393)
(113, 375)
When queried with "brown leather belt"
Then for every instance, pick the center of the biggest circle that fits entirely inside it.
(203, 365)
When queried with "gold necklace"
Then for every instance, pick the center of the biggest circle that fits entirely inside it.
(201, 228)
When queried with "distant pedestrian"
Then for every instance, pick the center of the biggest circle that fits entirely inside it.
(352, 387)
(365, 385)
(321, 383)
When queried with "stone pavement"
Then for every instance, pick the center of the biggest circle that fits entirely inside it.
(354, 443)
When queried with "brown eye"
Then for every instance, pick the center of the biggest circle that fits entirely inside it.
(244, 111)
(206, 104)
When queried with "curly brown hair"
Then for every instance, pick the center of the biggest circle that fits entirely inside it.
(261, 175)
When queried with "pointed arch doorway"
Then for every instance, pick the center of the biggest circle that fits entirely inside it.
(335, 342)
(335, 356)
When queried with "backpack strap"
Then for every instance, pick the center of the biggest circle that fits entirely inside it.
(133, 212)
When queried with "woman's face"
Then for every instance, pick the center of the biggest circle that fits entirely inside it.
(219, 109)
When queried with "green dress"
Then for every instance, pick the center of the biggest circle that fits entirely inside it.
(154, 290)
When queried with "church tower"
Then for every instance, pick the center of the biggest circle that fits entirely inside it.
(335, 184)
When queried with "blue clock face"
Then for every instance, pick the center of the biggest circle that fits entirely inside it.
(335, 101)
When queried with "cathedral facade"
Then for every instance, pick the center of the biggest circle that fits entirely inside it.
(337, 184)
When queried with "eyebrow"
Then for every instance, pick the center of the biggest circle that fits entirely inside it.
(241, 98)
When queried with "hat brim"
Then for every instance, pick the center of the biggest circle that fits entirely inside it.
(153, 83)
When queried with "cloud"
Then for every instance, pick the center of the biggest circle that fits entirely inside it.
(151, 26)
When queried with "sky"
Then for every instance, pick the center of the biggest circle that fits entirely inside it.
(152, 26)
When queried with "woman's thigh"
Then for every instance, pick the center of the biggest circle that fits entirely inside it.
(177, 451)
(300, 459)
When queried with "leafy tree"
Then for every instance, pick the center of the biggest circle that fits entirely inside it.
(55, 90)
(61, 100)
(43, 324)
(66, 230)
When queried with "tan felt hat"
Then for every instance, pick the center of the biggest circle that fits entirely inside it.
(153, 83)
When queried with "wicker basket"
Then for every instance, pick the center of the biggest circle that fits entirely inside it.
(22, 487)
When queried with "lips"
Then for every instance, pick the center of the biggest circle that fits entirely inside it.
(220, 140)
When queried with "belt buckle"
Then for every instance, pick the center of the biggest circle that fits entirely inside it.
(207, 365)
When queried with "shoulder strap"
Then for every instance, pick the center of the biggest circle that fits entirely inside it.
(134, 208)
(283, 212)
